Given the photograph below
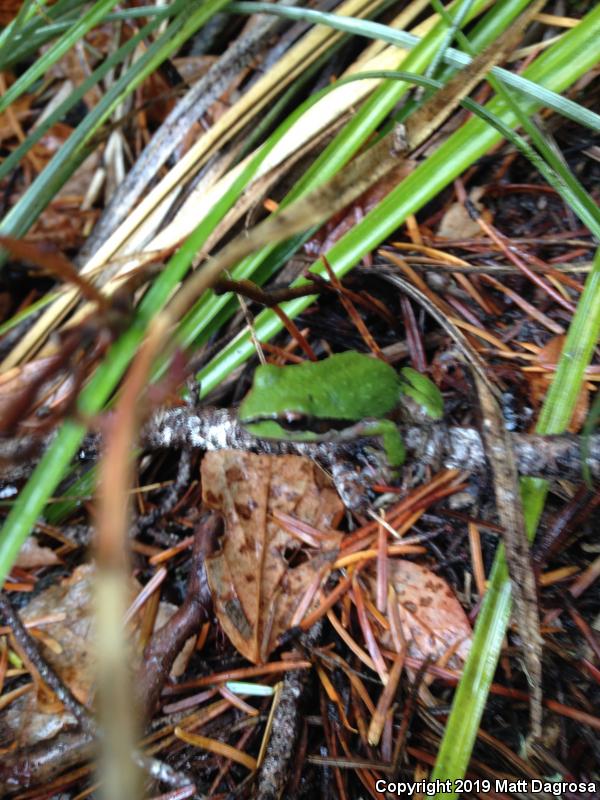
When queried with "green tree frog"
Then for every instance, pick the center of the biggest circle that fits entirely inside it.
(315, 400)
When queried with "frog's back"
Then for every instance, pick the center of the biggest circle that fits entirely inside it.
(351, 386)
(345, 386)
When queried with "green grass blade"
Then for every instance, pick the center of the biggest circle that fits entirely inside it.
(26, 43)
(454, 25)
(27, 312)
(75, 149)
(456, 58)
(113, 60)
(57, 51)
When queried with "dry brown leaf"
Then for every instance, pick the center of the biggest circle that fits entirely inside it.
(548, 358)
(262, 572)
(33, 718)
(22, 388)
(433, 621)
(37, 716)
(32, 554)
(20, 110)
(73, 597)
(458, 224)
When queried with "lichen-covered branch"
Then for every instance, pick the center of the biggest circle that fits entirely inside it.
(353, 460)
(548, 457)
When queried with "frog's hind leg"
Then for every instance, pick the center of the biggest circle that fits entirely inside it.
(392, 441)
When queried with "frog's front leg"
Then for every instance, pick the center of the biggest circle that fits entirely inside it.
(384, 429)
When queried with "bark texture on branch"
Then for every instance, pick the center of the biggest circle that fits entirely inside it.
(551, 457)
(354, 465)
(349, 456)
(278, 765)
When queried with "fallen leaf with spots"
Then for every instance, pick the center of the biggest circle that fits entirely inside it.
(262, 571)
(432, 620)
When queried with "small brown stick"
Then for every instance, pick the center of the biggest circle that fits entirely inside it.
(588, 633)
(266, 297)
(166, 643)
(41, 762)
(516, 544)
(407, 714)
(54, 262)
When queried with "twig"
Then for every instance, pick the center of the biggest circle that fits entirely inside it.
(40, 763)
(557, 456)
(275, 770)
(166, 643)
(550, 457)
(516, 545)
(171, 496)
